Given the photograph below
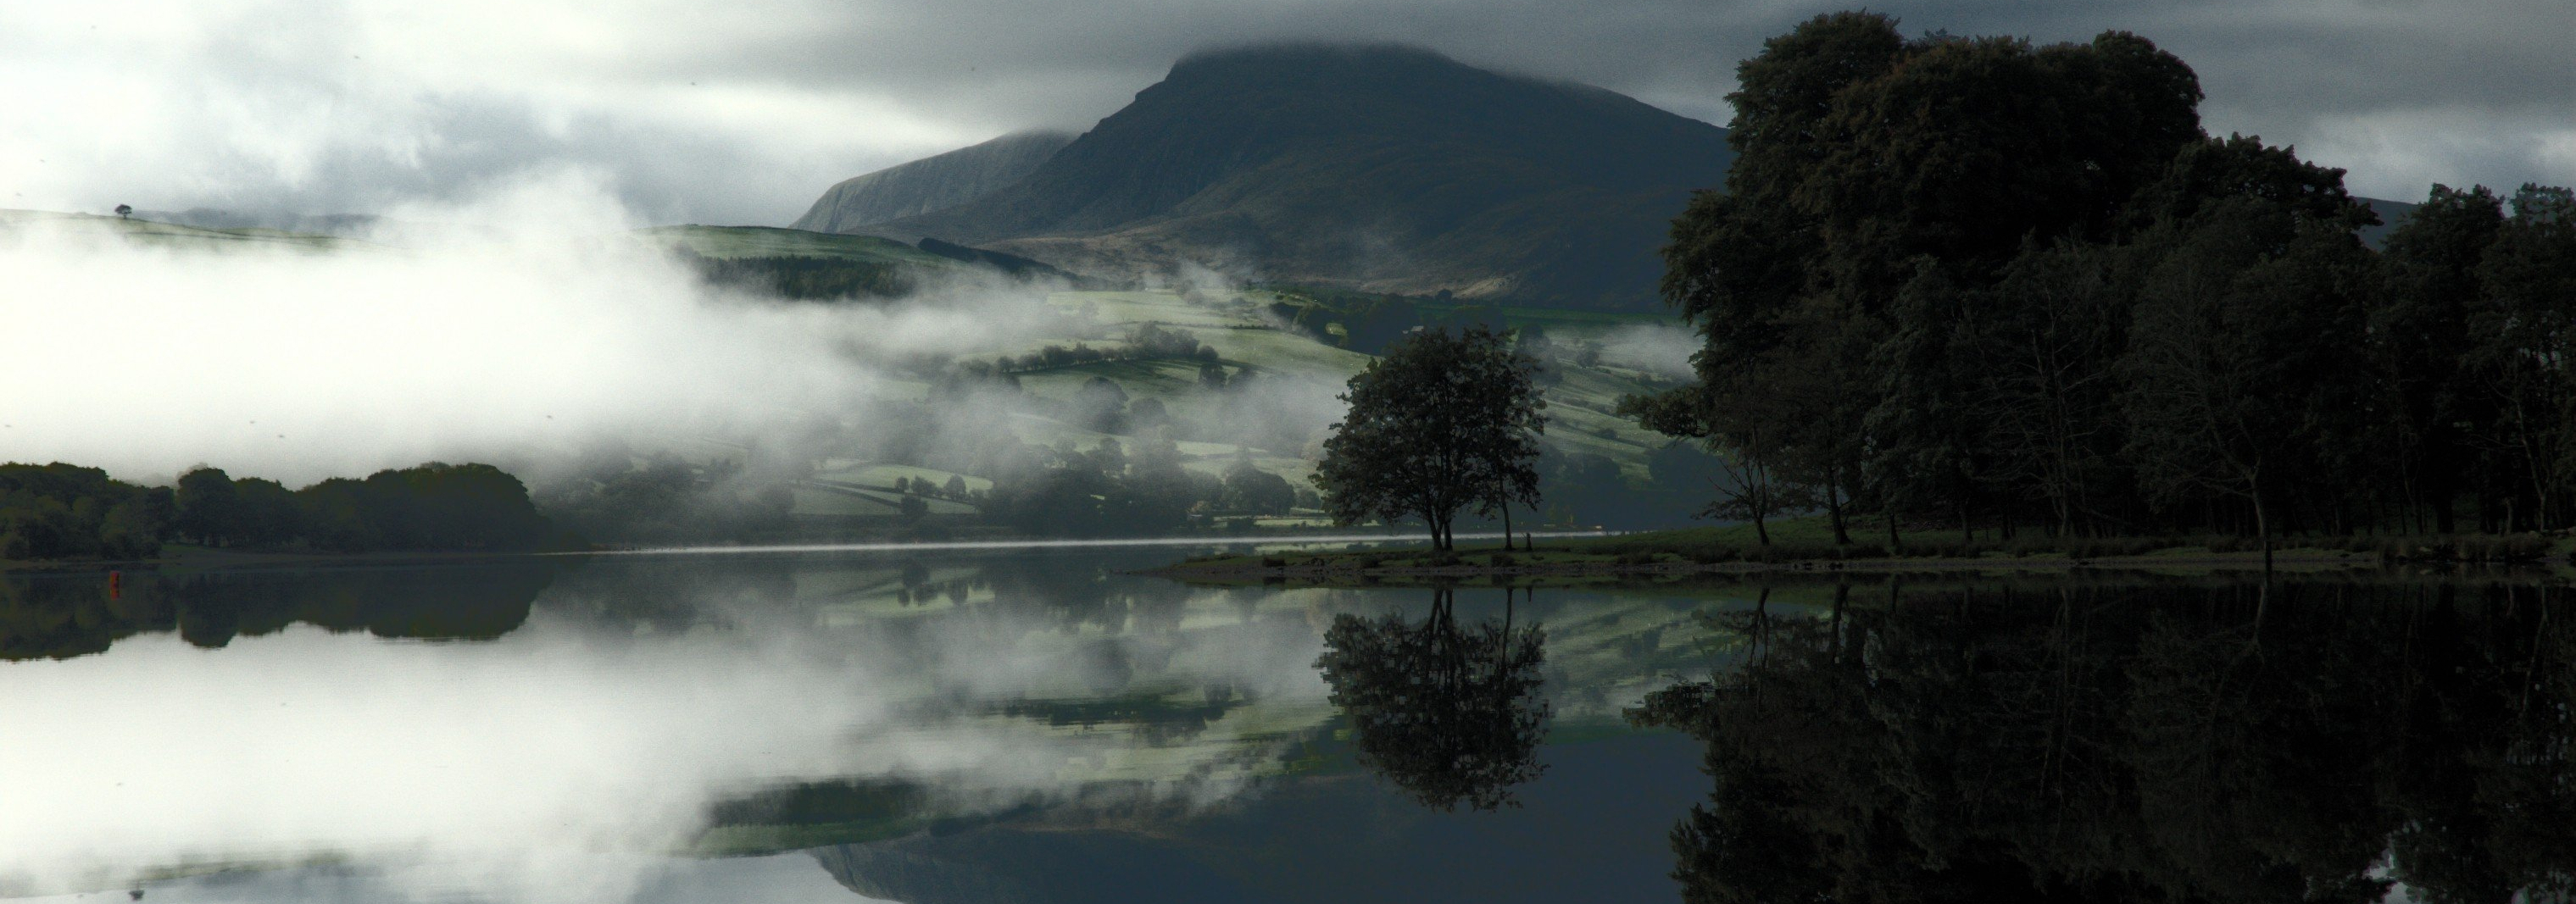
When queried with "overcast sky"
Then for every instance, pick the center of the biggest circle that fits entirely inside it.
(742, 111)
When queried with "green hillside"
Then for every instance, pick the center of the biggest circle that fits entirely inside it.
(169, 236)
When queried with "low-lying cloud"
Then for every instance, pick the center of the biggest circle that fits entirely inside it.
(539, 326)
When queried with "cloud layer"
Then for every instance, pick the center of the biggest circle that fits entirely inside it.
(743, 112)
(523, 344)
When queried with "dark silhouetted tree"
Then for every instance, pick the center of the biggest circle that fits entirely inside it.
(1441, 423)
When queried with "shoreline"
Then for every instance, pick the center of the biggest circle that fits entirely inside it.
(1346, 570)
(195, 557)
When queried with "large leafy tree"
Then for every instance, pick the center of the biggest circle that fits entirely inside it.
(1442, 423)
(2247, 335)
(1865, 158)
(2420, 338)
(2527, 316)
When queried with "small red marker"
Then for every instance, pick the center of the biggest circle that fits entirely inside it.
(116, 585)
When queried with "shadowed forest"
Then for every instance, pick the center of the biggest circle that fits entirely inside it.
(1975, 282)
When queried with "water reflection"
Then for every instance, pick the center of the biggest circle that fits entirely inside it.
(64, 615)
(1046, 728)
(2226, 742)
(1451, 713)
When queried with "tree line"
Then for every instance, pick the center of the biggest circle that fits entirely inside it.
(1148, 341)
(1974, 282)
(803, 277)
(60, 511)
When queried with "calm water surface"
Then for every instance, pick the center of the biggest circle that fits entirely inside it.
(1041, 727)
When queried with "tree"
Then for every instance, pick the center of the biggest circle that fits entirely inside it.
(2245, 346)
(2527, 278)
(209, 509)
(123, 210)
(1866, 159)
(1442, 422)
(1742, 440)
(2421, 341)
(2048, 397)
(1249, 488)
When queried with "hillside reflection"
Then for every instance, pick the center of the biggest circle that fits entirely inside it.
(2291, 742)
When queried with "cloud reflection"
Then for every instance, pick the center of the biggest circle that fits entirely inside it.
(511, 769)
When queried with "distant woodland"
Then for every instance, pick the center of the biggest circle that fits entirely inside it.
(61, 511)
(1977, 283)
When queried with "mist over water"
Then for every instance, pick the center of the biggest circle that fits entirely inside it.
(534, 329)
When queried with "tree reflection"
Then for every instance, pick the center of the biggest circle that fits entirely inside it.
(1449, 713)
(65, 615)
(2289, 743)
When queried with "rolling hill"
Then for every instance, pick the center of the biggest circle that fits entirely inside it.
(1384, 168)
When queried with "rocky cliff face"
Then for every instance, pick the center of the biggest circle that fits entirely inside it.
(931, 184)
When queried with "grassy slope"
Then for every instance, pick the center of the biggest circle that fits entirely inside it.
(168, 236)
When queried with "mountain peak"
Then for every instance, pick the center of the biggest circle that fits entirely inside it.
(1377, 166)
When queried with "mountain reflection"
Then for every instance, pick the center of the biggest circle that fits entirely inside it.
(2301, 742)
(1449, 713)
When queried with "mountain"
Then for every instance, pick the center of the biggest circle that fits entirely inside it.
(931, 184)
(2391, 215)
(1384, 168)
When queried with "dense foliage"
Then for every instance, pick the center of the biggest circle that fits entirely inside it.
(805, 277)
(435, 506)
(1146, 342)
(61, 511)
(1974, 281)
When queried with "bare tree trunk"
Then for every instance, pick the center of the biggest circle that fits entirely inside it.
(1507, 525)
(1834, 506)
(2263, 529)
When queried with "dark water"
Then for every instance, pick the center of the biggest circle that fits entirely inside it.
(1041, 727)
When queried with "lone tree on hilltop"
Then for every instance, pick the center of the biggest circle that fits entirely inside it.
(123, 210)
(1443, 422)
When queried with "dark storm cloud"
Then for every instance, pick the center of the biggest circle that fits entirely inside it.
(742, 112)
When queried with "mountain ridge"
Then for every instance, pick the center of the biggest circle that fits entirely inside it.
(1376, 167)
(931, 184)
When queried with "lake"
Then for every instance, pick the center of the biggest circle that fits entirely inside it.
(1042, 726)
